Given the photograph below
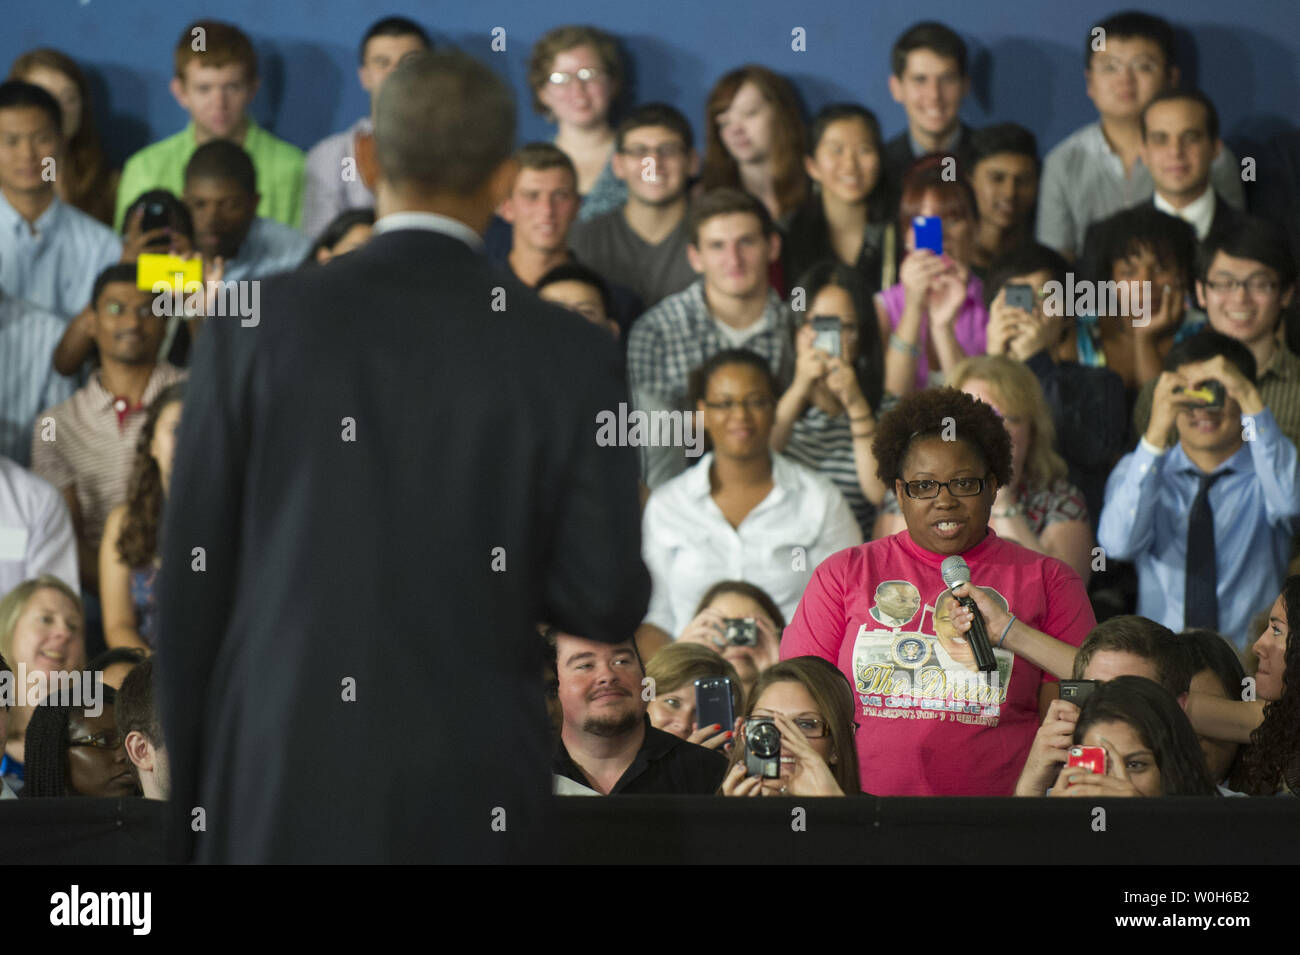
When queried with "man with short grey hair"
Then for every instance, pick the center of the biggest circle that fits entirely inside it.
(387, 481)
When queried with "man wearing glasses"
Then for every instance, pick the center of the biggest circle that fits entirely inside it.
(1098, 170)
(84, 445)
(642, 244)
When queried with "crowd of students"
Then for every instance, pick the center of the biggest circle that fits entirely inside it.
(1086, 388)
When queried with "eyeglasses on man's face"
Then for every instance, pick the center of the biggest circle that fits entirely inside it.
(1259, 285)
(585, 75)
(957, 487)
(661, 152)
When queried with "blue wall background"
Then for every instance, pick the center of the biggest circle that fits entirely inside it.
(1026, 54)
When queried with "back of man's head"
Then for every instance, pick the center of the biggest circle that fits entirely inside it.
(1207, 344)
(1155, 645)
(137, 712)
(224, 160)
(444, 124)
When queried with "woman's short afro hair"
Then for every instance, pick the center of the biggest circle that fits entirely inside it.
(927, 414)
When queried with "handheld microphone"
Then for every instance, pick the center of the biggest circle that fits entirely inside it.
(955, 571)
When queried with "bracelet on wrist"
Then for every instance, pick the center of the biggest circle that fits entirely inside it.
(1003, 638)
(1015, 510)
(898, 344)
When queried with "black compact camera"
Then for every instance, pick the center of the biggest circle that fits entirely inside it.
(762, 747)
(1205, 394)
(741, 631)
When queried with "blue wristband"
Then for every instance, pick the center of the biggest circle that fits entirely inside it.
(1006, 631)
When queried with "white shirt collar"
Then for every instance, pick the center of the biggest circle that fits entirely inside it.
(431, 222)
(696, 479)
(1199, 212)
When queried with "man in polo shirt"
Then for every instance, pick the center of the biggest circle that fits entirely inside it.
(929, 80)
(1180, 141)
(642, 244)
(221, 194)
(50, 252)
(606, 741)
(334, 183)
(1098, 170)
(216, 80)
(84, 446)
(731, 243)
(1246, 280)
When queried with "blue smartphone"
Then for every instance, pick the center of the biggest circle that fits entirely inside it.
(928, 231)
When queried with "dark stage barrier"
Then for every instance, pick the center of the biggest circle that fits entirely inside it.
(702, 829)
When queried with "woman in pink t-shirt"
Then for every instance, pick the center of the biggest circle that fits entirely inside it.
(930, 723)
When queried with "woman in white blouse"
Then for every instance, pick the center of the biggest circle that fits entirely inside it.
(743, 512)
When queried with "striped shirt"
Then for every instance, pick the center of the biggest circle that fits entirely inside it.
(54, 262)
(28, 381)
(679, 335)
(89, 450)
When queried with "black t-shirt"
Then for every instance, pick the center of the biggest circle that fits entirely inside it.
(664, 765)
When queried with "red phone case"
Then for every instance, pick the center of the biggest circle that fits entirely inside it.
(1091, 758)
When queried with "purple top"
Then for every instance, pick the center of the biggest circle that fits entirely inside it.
(970, 326)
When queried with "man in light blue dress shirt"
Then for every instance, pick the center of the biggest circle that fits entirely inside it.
(50, 252)
(1253, 480)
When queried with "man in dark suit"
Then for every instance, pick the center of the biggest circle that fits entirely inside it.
(380, 487)
(929, 80)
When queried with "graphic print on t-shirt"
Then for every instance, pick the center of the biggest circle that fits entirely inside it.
(915, 672)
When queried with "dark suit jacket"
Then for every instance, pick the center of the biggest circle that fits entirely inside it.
(898, 157)
(355, 673)
(1225, 217)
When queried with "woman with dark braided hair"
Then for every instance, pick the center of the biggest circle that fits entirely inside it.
(128, 554)
(934, 724)
(71, 752)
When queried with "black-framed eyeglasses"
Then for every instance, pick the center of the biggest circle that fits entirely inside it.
(98, 741)
(749, 404)
(662, 151)
(957, 487)
(1256, 285)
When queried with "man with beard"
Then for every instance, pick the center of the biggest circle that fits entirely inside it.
(84, 446)
(606, 741)
(221, 194)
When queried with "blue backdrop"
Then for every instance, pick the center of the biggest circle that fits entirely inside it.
(1027, 55)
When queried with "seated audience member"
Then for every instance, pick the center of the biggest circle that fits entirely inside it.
(345, 232)
(581, 290)
(175, 238)
(1271, 766)
(1217, 672)
(116, 662)
(1098, 170)
(28, 382)
(946, 489)
(36, 535)
(1004, 176)
(50, 252)
(934, 317)
(71, 752)
(1209, 522)
(576, 77)
(85, 180)
(215, 84)
(743, 510)
(541, 207)
(332, 183)
(756, 140)
(1120, 646)
(84, 445)
(1038, 509)
(6, 791)
(136, 714)
(606, 741)
(1151, 748)
(40, 630)
(929, 80)
(672, 709)
(732, 305)
(1180, 140)
(736, 600)
(128, 553)
(848, 218)
(827, 417)
(1087, 404)
(641, 244)
(221, 193)
(812, 706)
(1246, 281)
(1124, 253)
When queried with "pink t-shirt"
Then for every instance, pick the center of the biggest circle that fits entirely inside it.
(929, 723)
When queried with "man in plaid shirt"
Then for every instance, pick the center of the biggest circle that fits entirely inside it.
(732, 242)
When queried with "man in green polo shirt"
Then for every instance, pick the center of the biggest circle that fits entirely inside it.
(216, 80)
